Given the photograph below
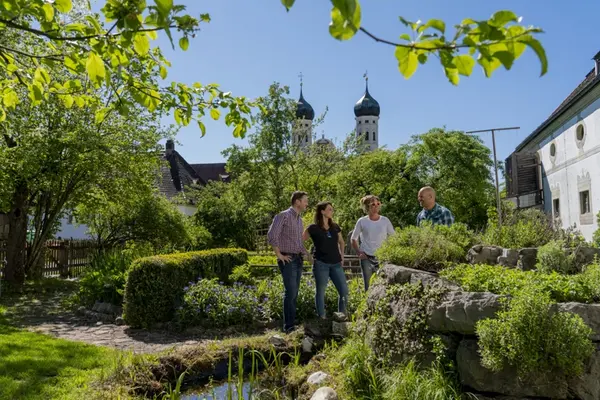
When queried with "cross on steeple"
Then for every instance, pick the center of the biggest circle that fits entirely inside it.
(301, 76)
(366, 76)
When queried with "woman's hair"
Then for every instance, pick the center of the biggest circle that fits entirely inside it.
(366, 201)
(319, 219)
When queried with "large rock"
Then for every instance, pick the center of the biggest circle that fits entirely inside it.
(395, 274)
(527, 259)
(587, 386)
(479, 254)
(586, 255)
(473, 375)
(324, 393)
(458, 312)
(317, 378)
(590, 313)
(509, 258)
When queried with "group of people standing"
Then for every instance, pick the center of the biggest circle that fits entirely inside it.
(287, 235)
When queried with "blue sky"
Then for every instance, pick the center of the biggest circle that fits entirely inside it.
(246, 47)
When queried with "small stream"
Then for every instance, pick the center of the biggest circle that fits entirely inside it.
(219, 393)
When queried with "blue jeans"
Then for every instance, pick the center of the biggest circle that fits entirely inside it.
(322, 272)
(368, 266)
(291, 273)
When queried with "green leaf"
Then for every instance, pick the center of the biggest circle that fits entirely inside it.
(164, 6)
(184, 43)
(41, 75)
(75, 27)
(539, 50)
(407, 61)
(94, 22)
(501, 18)
(202, 127)
(342, 28)
(48, 12)
(436, 24)
(178, 115)
(95, 68)
(411, 25)
(63, 6)
(10, 99)
(405, 36)
(287, 4)
(452, 75)
(100, 115)
(506, 58)
(346, 7)
(71, 63)
(215, 114)
(141, 44)
(2, 114)
(36, 92)
(68, 100)
(163, 72)
(489, 65)
(464, 64)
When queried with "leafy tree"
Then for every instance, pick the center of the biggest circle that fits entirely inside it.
(457, 166)
(221, 212)
(111, 51)
(144, 218)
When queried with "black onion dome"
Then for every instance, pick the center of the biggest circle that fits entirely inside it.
(366, 106)
(303, 109)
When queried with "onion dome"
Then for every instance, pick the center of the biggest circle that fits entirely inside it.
(303, 109)
(367, 105)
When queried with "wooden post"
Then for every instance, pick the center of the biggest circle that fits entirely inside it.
(63, 259)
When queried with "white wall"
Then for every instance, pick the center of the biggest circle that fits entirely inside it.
(302, 133)
(370, 125)
(574, 168)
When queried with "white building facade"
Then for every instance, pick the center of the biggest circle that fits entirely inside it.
(566, 150)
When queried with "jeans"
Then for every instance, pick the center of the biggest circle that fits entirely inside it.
(322, 272)
(291, 273)
(368, 266)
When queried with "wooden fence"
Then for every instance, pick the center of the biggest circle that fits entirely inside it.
(351, 267)
(64, 258)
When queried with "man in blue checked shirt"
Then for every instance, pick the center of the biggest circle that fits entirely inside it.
(432, 211)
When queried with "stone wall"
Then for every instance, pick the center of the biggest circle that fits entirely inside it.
(454, 318)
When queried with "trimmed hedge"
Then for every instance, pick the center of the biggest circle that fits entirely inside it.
(155, 285)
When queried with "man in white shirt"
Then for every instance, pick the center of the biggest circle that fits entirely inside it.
(372, 230)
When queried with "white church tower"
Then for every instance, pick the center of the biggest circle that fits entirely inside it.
(302, 132)
(366, 111)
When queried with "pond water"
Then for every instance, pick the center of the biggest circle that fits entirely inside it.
(220, 392)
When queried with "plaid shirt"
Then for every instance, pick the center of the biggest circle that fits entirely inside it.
(438, 215)
(286, 232)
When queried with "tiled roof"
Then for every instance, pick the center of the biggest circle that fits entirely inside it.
(176, 174)
(211, 172)
(591, 80)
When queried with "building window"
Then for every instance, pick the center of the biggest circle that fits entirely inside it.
(553, 150)
(360, 122)
(580, 133)
(306, 138)
(584, 202)
(366, 136)
(374, 136)
(556, 208)
(367, 121)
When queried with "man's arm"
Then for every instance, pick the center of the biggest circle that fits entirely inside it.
(354, 238)
(390, 228)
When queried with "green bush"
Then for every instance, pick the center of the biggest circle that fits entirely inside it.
(210, 303)
(583, 287)
(427, 247)
(530, 336)
(154, 287)
(520, 229)
(553, 257)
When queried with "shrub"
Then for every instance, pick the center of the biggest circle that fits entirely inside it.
(427, 247)
(583, 287)
(530, 336)
(554, 257)
(154, 287)
(520, 229)
(208, 302)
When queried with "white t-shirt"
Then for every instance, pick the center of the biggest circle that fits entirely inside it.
(372, 233)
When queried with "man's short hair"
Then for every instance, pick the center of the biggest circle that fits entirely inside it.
(428, 189)
(367, 200)
(297, 196)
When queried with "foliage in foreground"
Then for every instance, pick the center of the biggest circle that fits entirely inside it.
(427, 247)
(583, 287)
(154, 287)
(213, 303)
(532, 337)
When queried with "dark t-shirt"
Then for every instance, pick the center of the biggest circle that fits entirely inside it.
(326, 247)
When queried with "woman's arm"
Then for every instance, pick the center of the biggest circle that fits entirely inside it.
(341, 245)
(305, 235)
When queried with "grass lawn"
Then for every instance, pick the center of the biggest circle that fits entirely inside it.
(36, 366)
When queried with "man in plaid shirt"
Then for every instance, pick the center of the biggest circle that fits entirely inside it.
(432, 211)
(285, 235)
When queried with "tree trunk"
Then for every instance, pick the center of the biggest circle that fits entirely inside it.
(17, 237)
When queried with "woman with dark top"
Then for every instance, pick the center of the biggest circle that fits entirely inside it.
(328, 254)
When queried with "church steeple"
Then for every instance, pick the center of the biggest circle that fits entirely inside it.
(366, 112)
(302, 132)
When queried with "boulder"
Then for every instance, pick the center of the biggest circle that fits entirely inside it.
(509, 258)
(395, 274)
(376, 292)
(506, 382)
(586, 255)
(339, 317)
(340, 328)
(324, 393)
(119, 321)
(458, 312)
(317, 379)
(527, 259)
(479, 254)
(277, 341)
(307, 344)
(587, 386)
(590, 313)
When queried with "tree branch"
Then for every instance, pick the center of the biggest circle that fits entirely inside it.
(55, 57)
